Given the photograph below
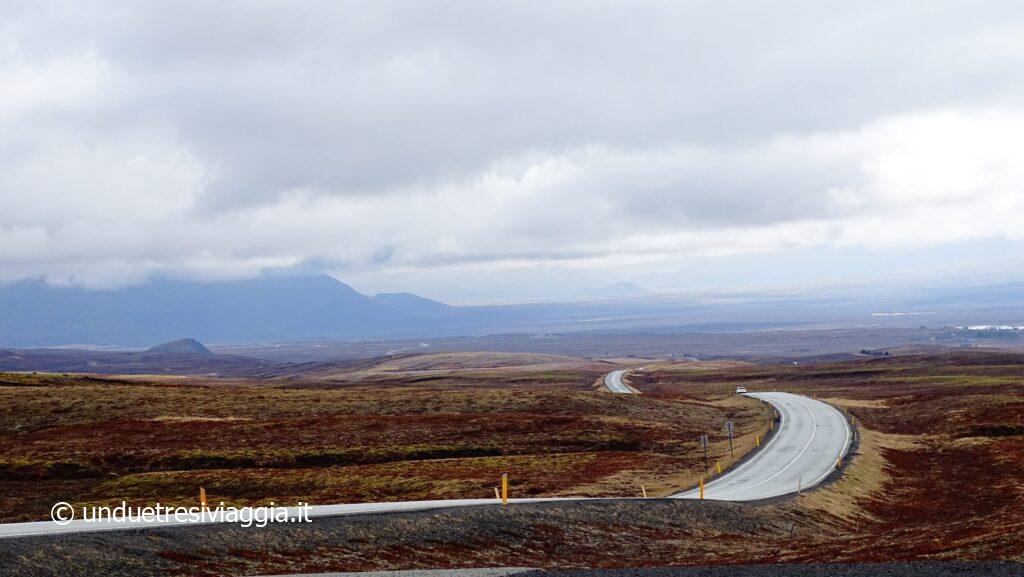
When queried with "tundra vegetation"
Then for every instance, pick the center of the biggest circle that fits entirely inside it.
(936, 474)
(425, 427)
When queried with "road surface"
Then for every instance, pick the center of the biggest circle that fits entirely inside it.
(812, 435)
(615, 384)
(79, 526)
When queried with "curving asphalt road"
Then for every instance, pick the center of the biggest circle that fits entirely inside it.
(615, 384)
(811, 436)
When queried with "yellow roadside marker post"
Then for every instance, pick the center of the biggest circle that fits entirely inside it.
(839, 463)
(718, 467)
(202, 499)
(504, 489)
(702, 488)
(757, 439)
(497, 494)
(644, 491)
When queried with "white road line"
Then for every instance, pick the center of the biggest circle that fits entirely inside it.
(795, 454)
(842, 450)
(749, 462)
(788, 465)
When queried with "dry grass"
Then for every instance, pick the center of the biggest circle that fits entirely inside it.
(857, 403)
(937, 475)
(939, 467)
(97, 440)
(195, 419)
(864, 478)
(464, 365)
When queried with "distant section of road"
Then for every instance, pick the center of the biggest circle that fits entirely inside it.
(615, 384)
(811, 437)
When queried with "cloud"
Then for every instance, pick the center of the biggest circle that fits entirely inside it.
(377, 139)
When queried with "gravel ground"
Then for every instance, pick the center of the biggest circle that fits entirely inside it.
(555, 536)
(927, 569)
(485, 572)
(519, 535)
(931, 569)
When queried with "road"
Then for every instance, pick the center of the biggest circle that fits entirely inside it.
(615, 384)
(79, 526)
(812, 435)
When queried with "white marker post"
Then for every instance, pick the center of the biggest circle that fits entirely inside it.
(704, 445)
(728, 431)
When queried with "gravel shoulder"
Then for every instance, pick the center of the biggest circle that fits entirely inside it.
(927, 569)
(930, 569)
(713, 538)
(549, 535)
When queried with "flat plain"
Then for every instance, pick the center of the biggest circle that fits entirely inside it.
(936, 475)
(419, 427)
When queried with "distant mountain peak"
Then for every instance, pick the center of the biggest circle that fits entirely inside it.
(182, 347)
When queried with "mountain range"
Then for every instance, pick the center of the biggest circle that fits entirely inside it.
(277, 309)
(310, 308)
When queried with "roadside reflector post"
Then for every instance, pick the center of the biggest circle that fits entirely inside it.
(757, 439)
(704, 444)
(728, 430)
(202, 499)
(799, 485)
(497, 494)
(504, 489)
(839, 463)
(702, 488)
(718, 467)
(644, 491)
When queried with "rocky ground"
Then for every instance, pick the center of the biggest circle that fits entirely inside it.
(708, 538)
(600, 533)
(926, 569)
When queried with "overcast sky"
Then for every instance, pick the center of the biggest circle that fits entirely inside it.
(476, 151)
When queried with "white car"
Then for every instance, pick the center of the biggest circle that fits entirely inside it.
(740, 390)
